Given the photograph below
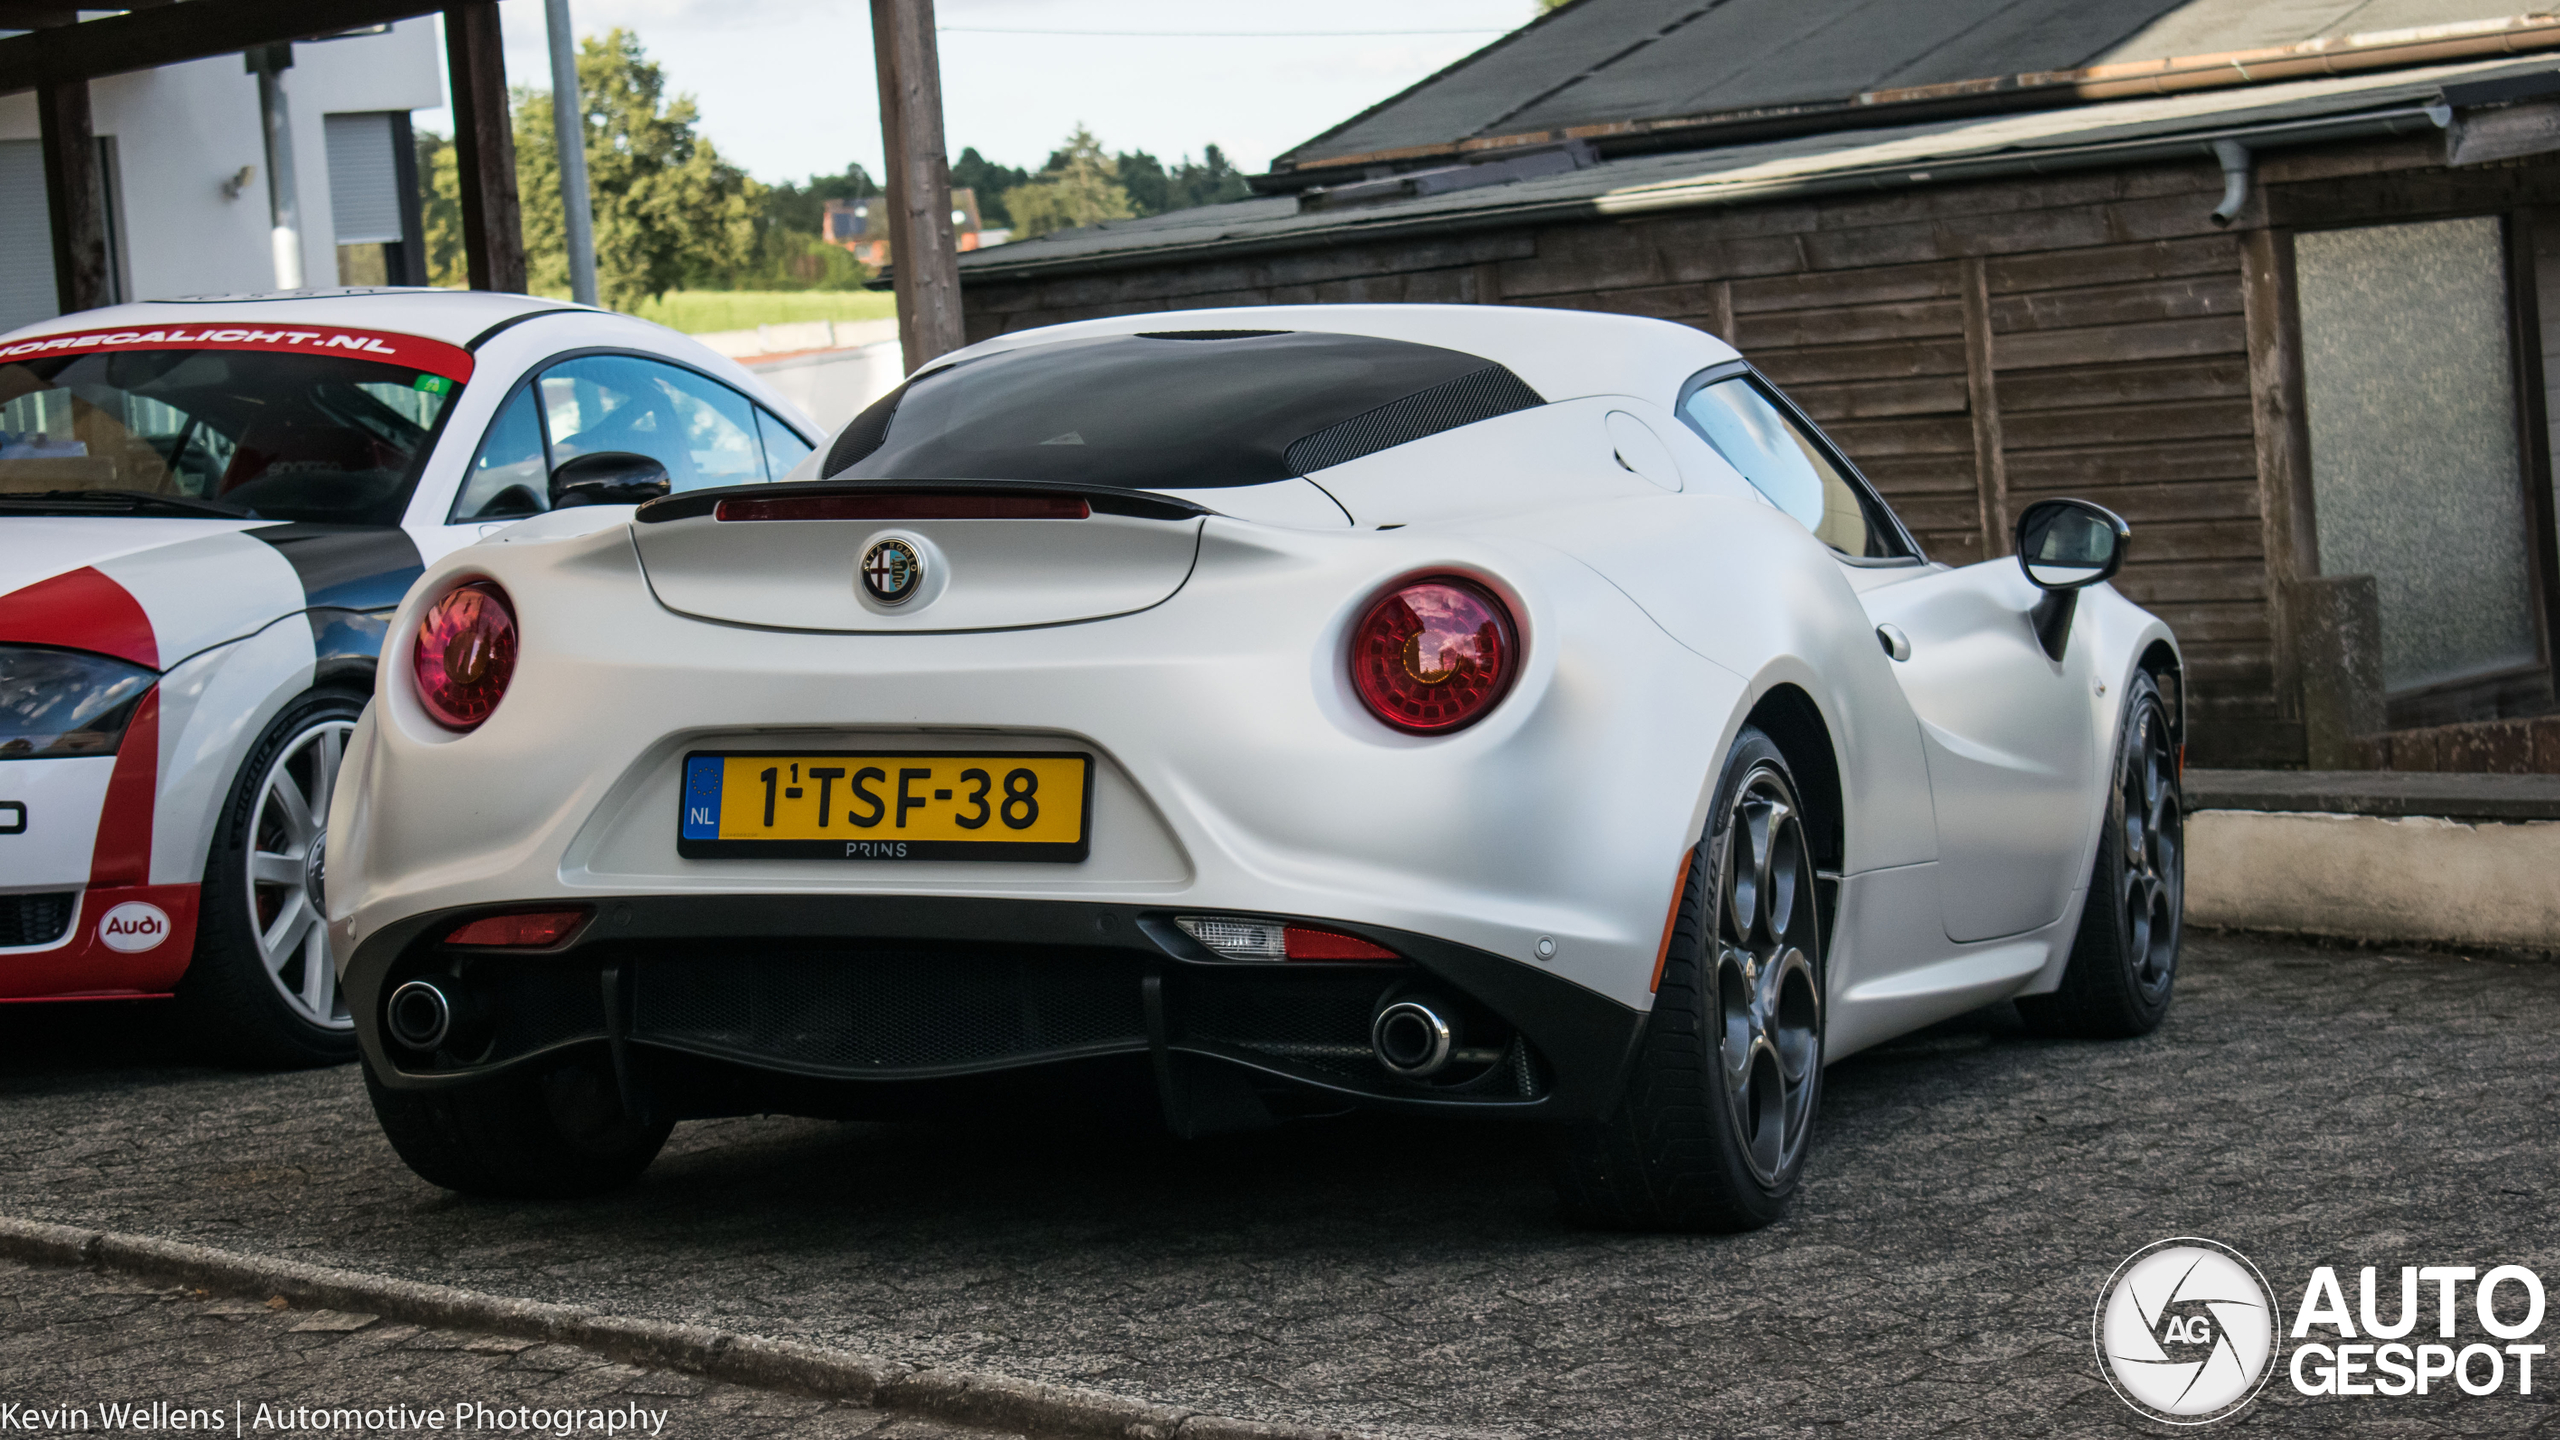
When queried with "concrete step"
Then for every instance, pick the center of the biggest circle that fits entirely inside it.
(2377, 856)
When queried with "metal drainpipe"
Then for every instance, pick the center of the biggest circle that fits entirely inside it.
(268, 63)
(2235, 179)
(569, 136)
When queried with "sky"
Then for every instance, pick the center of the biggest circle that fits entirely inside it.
(786, 87)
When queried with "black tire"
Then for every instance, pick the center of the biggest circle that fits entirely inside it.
(2123, 969)
(549, 1134)
(1690, 1146)
(232, 1004)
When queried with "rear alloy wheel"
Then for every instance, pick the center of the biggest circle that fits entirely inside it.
(2124, 961)
(261, 988)
(1717, 1117)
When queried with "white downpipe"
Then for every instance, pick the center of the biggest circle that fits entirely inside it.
(283, 202)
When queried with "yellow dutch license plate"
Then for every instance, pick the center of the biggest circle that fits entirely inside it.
(885, 805)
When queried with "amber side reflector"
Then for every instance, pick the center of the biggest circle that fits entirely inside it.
(1679, 892)
(524, 930)
(908, 506)
(1303, 943)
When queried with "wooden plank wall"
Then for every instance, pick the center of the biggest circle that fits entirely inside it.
(1973, 348)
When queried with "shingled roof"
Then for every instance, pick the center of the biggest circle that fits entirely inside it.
(1683, 74)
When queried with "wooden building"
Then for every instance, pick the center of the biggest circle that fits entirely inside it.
(2276, 300)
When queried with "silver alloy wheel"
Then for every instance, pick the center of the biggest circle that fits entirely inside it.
(1768, 994)
(288, 846)
(2153, 882)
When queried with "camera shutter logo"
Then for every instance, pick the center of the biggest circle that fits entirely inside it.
(2186, 1331)
(891, 570)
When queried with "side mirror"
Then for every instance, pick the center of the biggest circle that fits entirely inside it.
(607, 477)
(2065, 546)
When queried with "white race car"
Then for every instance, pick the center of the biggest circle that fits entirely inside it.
(1466, 711)
(207, 511)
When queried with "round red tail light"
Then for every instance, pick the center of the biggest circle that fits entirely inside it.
(1434, 655)
(465, 655)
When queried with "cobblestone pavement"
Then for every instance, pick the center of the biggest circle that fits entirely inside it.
(75, 1340)
(1971, 1190)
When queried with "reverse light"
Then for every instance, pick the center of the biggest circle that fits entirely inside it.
(465, 654)
(523, 930)
(1434, 655)
(1234, 937)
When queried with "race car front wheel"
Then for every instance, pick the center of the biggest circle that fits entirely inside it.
(549, 1134)
(1712, 1131)
(261, 989)
(2124, 960)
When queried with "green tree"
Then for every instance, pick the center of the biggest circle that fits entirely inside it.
(440, 207)
(803, 208)
(1079, 186)
(791, 251)
(668, 210)
(973, 171)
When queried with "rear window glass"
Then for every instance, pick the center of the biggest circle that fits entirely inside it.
(1172, 410)
(271, 435)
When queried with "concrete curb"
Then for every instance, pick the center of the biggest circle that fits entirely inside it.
(959, 1396)
(2414, 879)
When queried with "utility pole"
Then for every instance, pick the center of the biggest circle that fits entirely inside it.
(484, 146)
(923, 254)
(569, 131)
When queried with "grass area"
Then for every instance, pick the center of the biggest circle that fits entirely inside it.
(697, 311)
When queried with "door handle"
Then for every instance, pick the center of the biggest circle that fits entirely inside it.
(1895, 643)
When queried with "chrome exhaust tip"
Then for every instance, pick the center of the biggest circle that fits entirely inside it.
(419, 1015)
(1412, 1039)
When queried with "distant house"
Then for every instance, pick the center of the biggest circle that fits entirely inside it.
(187, 172)
(2275, 282)
(848, 223)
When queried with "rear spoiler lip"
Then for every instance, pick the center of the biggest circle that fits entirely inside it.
(1105, 499)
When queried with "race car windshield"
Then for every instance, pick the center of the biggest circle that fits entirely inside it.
(273, 436)
(1172, 410)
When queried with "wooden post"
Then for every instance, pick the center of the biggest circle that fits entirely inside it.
(924, 256)
(1982, 398)
(73, 195)
(2288, 527)
(484, 146)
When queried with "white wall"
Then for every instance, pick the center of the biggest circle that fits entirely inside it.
(182, 130)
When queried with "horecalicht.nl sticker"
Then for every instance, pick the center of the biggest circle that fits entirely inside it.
(388, 347)
(2186, 1331)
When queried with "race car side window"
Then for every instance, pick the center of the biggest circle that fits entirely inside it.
(1787, 463)
(702, 431)
(511, 476)
(782, 449)
(705, 433)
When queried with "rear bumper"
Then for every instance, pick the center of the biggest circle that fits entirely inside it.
(827, 1004)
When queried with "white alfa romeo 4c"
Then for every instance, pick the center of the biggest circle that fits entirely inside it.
(1463, 711)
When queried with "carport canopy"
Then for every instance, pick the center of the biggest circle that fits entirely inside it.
(61, 53)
